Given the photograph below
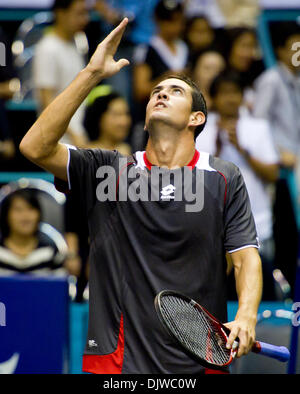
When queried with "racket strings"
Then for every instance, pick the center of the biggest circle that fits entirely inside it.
(195, 329)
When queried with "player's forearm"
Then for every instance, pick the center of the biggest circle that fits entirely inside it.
(248, 277)
(42, 138)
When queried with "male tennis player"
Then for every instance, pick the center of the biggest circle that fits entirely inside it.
(140, 247)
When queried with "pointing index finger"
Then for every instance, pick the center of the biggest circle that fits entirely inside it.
(115, 35)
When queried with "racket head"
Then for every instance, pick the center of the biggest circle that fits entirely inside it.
(199, 333)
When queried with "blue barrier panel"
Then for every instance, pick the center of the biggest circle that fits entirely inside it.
(34, 336)
(79, 315)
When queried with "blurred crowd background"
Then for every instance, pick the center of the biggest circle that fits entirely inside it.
(243, 54)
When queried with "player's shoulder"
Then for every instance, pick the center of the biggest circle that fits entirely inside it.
(226, 168)
(95, 156)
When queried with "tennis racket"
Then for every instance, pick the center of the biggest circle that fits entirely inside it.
(201, 334)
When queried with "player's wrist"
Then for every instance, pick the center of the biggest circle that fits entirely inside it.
(93, 75)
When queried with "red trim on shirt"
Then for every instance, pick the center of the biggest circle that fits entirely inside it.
(147, 162)
(215, 372)
(194, 160)
(225, 193)
(109, 363)
(192, 163)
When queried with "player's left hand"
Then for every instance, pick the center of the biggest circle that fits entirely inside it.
(244, 329)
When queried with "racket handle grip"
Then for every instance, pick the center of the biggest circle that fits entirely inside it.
(280, 353)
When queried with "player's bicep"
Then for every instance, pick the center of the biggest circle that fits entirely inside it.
(57, 163)
(237, 258)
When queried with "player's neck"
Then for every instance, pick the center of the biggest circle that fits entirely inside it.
(170, 152)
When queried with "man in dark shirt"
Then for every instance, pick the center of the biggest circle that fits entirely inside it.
(146, 232)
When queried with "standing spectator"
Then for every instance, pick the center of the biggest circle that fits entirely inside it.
(208, 65)
(277, 99)
(247, 142)
(57, 60)
(277, 95)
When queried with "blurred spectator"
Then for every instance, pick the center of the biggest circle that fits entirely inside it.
(247, 142)
(57, 61)
(107, 120)
(277, 95)
(23, 248)
(207, 66)
(166, 51)
(277, 98)
(9, 85)
(199, 36)
(242, 54)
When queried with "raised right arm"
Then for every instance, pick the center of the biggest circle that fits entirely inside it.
(41, 143)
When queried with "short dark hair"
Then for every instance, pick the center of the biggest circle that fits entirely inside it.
(95, 111)
(25, 194)
(165, 9)
(198, 100)
(227, 76)
(62, 4)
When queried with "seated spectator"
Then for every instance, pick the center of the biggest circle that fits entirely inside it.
(57, 61)
(207, 66)
(247, 142)
(277, 95)
(166, 52)
(107, 120)
(199, 36)
(23, 247)
(241, 53)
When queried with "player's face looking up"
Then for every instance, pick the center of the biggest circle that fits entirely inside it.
(170, 104)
